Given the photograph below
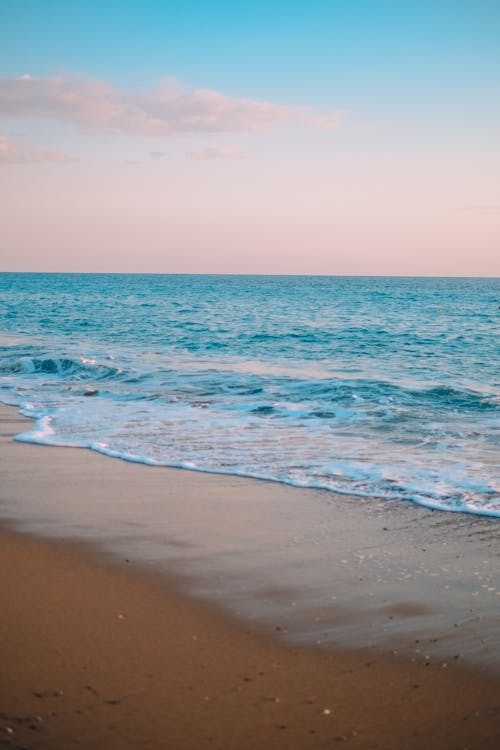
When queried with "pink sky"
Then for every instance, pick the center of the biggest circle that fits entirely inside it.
(170, 179)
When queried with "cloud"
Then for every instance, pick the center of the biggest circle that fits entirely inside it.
(12, 152)
(167, 110)
(330, 121)
(157, 155)
(214, 153)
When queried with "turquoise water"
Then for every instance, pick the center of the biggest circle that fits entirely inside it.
(377, 387)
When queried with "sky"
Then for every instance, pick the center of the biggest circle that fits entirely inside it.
(206, 136)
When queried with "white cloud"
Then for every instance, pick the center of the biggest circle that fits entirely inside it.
(214, 153)
(13, 152)
(167, 110)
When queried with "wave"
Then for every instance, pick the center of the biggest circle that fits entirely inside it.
(456, 398)
(345, 479)
(82, 368)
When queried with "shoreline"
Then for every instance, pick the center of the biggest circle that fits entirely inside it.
(326, 569)
(102, 648)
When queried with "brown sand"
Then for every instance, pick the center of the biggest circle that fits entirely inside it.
(95, 656)
(98, 655)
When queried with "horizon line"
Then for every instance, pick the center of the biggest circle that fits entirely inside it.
(261, 274)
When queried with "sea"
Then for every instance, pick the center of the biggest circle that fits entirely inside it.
(372, 387)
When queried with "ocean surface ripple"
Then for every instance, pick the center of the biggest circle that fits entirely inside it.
(377, 387)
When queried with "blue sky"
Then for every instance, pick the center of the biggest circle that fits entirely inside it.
(320, 51)
(411, 81)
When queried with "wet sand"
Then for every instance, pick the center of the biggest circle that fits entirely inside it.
(101, 648)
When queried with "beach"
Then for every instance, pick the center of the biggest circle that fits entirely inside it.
(104, 648)
(249, 376)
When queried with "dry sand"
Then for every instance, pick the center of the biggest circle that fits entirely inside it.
(101, 655)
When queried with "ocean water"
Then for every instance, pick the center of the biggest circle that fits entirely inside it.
(373, 387)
